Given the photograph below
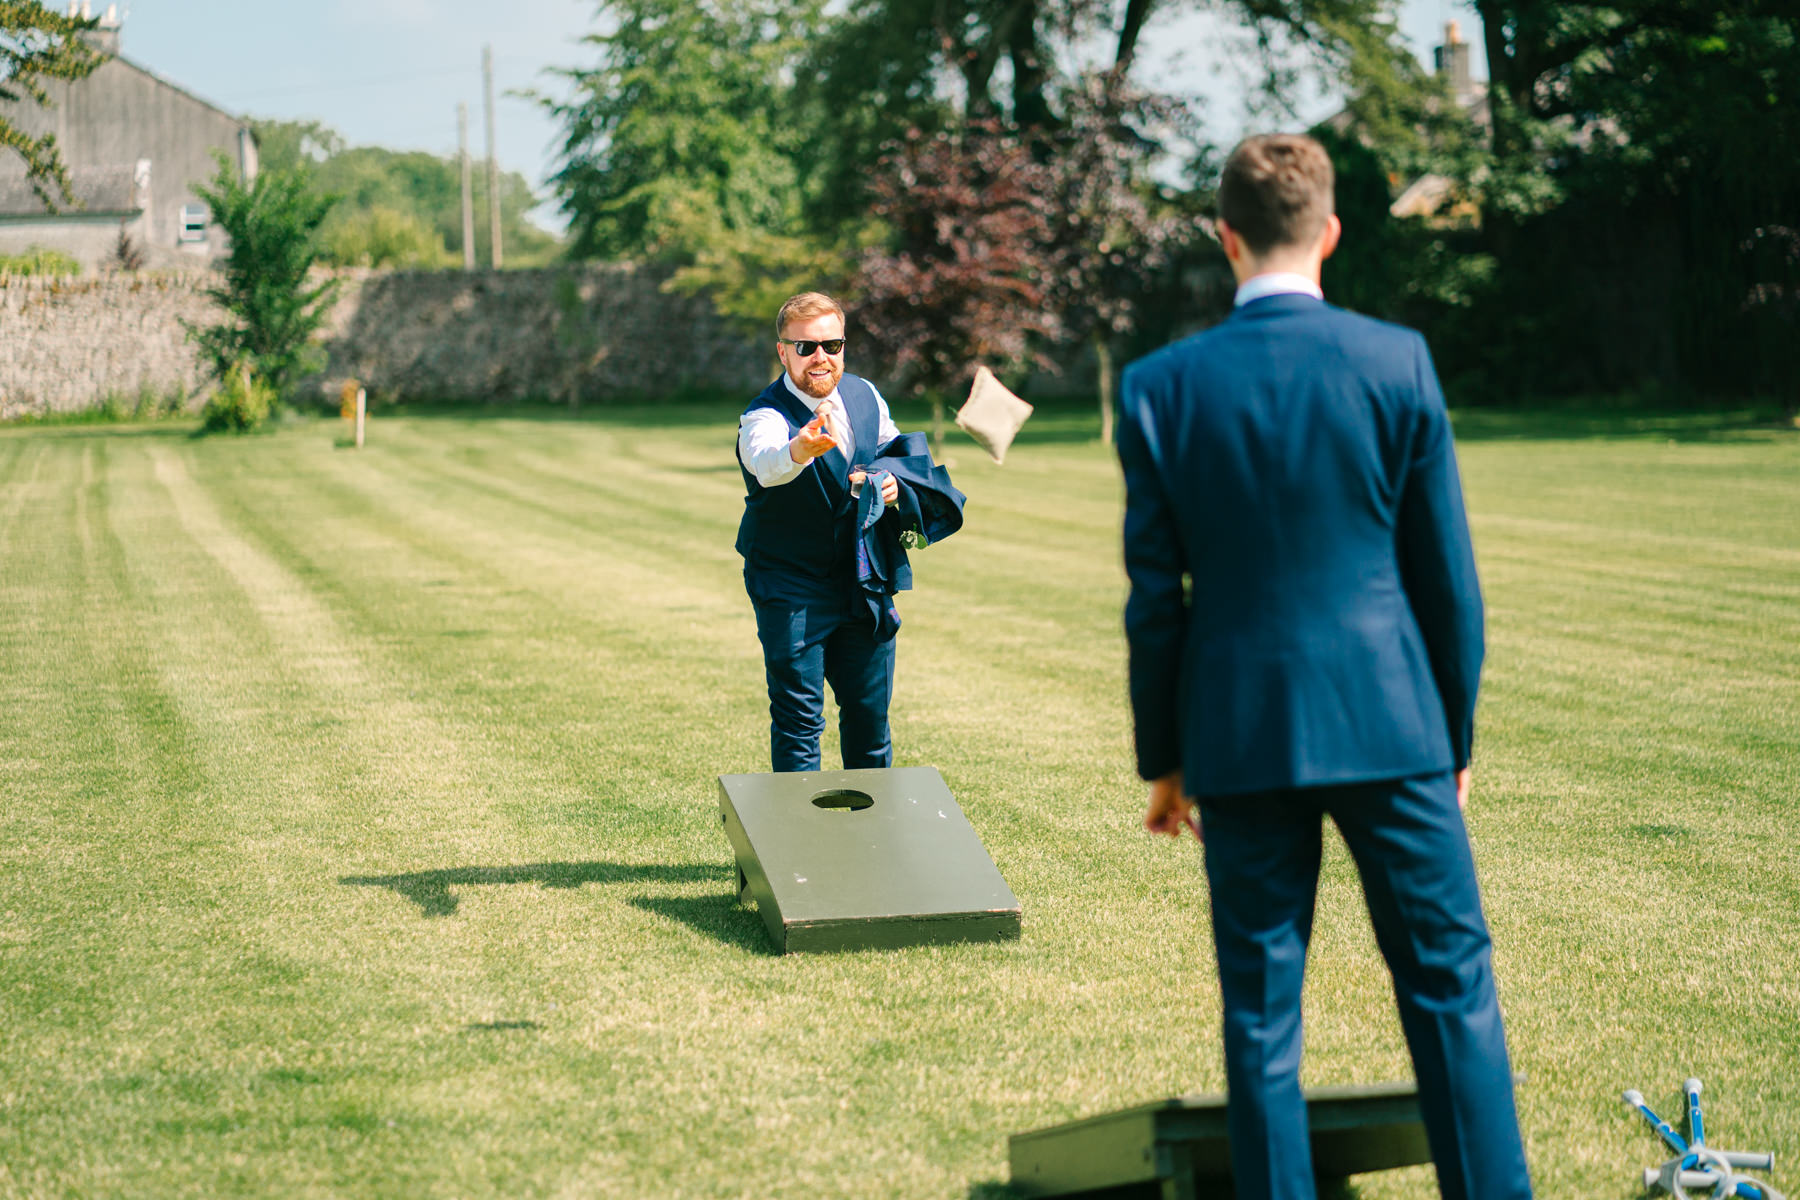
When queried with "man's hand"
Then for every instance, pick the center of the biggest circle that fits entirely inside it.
(810, 442)
(890, 487)
(1462, 788)
(1170, 812)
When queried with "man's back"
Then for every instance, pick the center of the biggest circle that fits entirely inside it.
(1295, 463)
(1293, 468)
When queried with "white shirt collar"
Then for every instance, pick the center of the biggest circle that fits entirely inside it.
(1276, 283)
(812, 402)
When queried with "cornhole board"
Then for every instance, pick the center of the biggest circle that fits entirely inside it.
(1177, 1149)
(848, 860)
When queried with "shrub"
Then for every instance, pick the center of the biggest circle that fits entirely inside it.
(241, 403)
(270, 303)
(382, 237)
(127, 254)
(38, 260)
(148, 403)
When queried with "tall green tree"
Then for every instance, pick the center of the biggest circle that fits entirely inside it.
(681, 135)
(402, 208)
(272, 302)
(36, 44)
(1654, 126)
(889, 66)
(1112, 232)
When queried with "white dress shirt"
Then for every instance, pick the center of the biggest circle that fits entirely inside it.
(763, 435)
(1276, 283)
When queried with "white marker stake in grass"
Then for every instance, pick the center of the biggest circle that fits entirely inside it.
(362, 409)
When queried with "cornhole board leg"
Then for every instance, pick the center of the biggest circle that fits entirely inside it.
(850, 860)
(1178, 1150)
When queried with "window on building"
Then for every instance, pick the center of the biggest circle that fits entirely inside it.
(193, 223)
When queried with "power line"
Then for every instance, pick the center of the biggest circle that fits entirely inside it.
(346, 85)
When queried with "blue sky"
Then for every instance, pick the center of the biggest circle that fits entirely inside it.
(391, 72)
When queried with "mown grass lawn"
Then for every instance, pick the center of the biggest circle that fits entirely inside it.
(358, 825)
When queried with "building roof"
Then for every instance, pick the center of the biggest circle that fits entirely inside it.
(176, 87)
(98, 191)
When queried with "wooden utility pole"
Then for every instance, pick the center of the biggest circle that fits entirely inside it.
(468, 188)
(493, 165)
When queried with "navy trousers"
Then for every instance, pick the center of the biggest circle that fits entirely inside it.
(809, 641)
(1412, 850)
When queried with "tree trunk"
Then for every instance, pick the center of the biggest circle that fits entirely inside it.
(1136, 12)
(1103, 360)
(937, 427)
(1031, 105)
(1508, 96)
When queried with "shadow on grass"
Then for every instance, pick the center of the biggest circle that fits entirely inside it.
(630, 414)
(430, 890)
(995, 1189)
(720, 917)
(1075, 419)
(1574, 424)
(172, 430)
(499, 1026)
(1056, 420)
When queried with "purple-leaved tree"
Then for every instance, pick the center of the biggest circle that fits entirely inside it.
(965, 279)
(1111, 235)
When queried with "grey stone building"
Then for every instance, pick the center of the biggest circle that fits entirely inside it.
(135, 145)
(1431, 196)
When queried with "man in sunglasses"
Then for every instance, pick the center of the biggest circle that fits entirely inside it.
(797, 443)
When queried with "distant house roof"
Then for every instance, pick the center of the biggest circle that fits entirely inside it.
(1423, 197)
(176, 87)
(98, 191)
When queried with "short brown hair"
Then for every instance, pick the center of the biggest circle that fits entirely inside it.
(805, 307)
(1276, 190)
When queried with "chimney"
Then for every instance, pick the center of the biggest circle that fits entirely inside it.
(1453, 61)
(104, 37)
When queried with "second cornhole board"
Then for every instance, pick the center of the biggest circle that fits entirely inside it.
(1178, 1148)
(846, 860)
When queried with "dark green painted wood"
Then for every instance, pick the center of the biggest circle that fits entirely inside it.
(905, 870)
(1175, 1147)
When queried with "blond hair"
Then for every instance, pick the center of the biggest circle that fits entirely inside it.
(805, 307)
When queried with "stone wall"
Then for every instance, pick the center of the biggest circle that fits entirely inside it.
(67, 344)
(600, 332)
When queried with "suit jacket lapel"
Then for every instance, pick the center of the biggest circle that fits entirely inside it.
(837, 467)
(859, 407)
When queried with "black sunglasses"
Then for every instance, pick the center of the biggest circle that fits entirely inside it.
(804, 347)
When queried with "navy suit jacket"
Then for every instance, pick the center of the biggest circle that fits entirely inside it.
(1304, 609)
(926, 502)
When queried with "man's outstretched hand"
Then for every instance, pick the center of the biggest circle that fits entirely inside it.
(811, 441)
(1170, 812)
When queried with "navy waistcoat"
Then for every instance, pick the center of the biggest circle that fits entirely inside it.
(807, 526)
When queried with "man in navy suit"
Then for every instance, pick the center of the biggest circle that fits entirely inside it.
(1305, 634)
(796, 445)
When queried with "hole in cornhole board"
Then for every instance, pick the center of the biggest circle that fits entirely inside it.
(843, 799)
